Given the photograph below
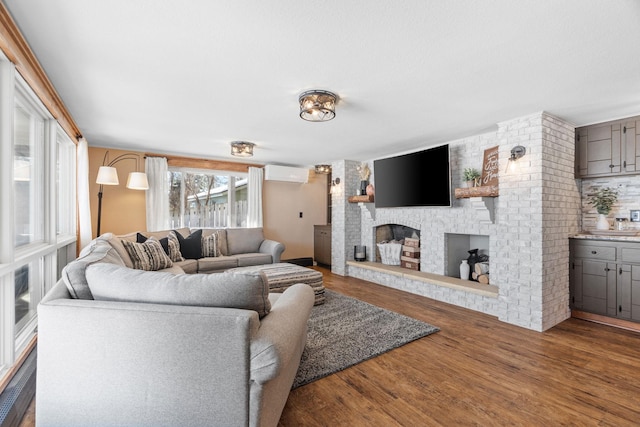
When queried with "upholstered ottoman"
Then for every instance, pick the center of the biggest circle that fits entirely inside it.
(282, 275)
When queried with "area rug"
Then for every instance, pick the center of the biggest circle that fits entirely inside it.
(345, 331)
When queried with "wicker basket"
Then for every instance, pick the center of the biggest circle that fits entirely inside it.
(390, 253)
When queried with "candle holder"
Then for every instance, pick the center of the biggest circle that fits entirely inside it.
(360, 253)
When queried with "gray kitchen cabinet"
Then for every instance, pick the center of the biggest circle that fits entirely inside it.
(608, 149)
(605, 277)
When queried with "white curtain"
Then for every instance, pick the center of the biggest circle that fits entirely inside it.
(84, 205)
(157, 196)
(254, 195)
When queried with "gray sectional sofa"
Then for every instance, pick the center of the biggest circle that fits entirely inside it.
(122, 346)
(238, 247)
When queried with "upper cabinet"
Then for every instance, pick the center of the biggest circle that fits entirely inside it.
(607, 149)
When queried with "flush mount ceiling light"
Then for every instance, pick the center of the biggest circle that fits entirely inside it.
(317, 105)
(242, 148)
(324, 169)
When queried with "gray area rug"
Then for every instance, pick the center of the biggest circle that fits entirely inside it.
(345, 331)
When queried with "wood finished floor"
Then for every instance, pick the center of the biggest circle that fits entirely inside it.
(475, 371)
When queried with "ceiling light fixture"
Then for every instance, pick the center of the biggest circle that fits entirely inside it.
(242, 148)
(323, 169)
(317, 105)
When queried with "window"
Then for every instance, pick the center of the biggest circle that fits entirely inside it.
(37, 191)
(207, 199)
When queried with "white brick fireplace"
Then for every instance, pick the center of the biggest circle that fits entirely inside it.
(537, 210)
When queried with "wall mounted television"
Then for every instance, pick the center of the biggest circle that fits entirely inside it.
(417, 179)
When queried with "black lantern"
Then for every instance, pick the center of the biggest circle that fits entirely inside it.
(360, 253)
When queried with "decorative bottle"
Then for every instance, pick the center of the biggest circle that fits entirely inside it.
(464, 270)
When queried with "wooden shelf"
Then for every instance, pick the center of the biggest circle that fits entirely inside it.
(361, 199)
(484, 191)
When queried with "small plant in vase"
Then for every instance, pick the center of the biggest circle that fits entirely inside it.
(603, 201)
(471, 176)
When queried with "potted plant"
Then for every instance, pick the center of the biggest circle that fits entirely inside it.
(470, 175)
(603, 199)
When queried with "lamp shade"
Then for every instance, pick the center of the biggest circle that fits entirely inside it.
(138, 181)
(107, 175)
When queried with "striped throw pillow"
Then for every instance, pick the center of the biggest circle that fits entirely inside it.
(147, 256)
(210, 246)
(173, 245)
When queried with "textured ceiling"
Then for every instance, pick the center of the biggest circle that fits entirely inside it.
(189, 77)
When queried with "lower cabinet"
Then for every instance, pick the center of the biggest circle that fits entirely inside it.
(603, 280)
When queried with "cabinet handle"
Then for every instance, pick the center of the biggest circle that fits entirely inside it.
(619, 309)
(594, 252)
(607, 269)
(624, 164)
(611, 166)
(620, 271)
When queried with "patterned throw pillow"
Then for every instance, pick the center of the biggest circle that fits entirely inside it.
(148, 255)
(170, 244)
(210, 246)
(174, 247)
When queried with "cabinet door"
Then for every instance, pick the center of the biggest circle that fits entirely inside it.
(575, 284)
(623, 292)
(635, 292)
(629, 144)
(603, 150)
(581, 152)
(594, 286)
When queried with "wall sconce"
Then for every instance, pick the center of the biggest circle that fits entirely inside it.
(317, 105)
(335, 186)
(516, 153)
(323, 169)
(108, 175)
(242, 148)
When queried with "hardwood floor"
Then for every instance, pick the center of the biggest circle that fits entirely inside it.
(475, 371)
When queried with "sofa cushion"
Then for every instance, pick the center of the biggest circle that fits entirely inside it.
(148, 255)
(244, 240)
(170, 244)
(116, 244)
(210, 245)
(73, 274)
(191, 246)
(210, 264)
(222, 238)
(254, 258)
(231, 290)
(189, 266)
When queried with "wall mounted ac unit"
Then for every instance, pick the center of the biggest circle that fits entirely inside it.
(286, 173)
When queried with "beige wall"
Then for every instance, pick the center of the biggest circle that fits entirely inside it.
(282, 204)
(123, 210)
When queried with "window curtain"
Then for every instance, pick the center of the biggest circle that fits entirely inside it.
(157, 196)
(254, 195)
(84, 204)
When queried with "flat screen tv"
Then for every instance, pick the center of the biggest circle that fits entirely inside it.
(416, 179)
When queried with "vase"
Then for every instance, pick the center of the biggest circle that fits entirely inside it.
(363, 187)
(470, 184)
(464, 270)
(603, 222)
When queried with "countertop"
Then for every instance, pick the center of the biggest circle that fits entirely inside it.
(610, 237)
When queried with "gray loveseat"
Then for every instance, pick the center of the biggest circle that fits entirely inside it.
(155, 348)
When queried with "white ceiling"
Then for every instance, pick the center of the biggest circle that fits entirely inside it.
(189, 77)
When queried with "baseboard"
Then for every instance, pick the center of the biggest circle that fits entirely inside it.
(304, 262)
(17, 396)
(606, 320)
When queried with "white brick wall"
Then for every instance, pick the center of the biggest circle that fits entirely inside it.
(538, 208)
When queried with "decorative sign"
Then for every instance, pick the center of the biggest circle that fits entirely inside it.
(490, 166)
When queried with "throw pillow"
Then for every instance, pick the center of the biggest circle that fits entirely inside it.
(248, 291)
(170, 244)
(148, 255)
(191, 246)
(210, 246)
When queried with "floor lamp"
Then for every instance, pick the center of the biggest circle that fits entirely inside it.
(108, 175)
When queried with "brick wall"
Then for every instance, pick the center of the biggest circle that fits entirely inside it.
(538, 208)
